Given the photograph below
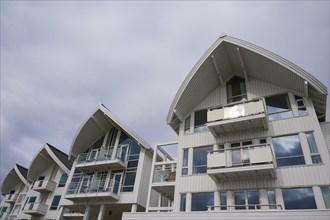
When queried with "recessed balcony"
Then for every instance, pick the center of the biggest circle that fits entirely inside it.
(99, 189)
(254, 161)
(237, 117)
(44, 186)
(101, 159)
(11, 198)
(164, 178)
(36, 208)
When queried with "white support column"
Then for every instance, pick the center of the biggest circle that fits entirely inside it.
(217, 200)
(188, 202)
(190, 160)
(263, 199)
(230, 199)
(279, 197)
(134, 207)
(151, 176)
(318, 197)
(87, 212)
(305, 148)
(101, 212)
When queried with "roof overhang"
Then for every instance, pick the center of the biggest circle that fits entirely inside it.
(228, 56)
(13, 178)
(42, 160)
(96, 125)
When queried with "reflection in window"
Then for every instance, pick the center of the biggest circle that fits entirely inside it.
(236, 90)
(326, 196)
(201, 201)
(278, 107)
(301, 105)
(183, 202)
(185, 162)
(200, 159)
(288, 150)
(299, 198)
(63, 180)
(223, 200)
(271, 199)
(251, 198)
(200, 121)
(239, 198)
(55, 202)
(187, 125)
(316, 157)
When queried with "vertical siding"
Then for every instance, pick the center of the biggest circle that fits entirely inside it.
(325, 127)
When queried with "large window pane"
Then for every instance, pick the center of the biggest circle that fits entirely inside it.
(183, 202)
(185, 162)
(253, 200)
(288, 150)
(236, 89)
(55, 202)
(239, 198)
(200, 120)
(187, 125)
(271, 199)
(278, 107)
(223, 200)
(299, 198)
(201, 201)
(326, 196)
(200, 159)
(63, 180)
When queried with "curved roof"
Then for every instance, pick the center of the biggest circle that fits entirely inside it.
(15, 175)
(228, 56)
(96, 125)
(47, 156)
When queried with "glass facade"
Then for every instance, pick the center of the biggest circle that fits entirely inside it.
(288, 150)
(299, 198)
(326, 196)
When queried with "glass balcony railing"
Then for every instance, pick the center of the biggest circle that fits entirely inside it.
(94, 188)
(164, 173)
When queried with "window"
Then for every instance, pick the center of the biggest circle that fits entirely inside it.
(263, 141)
(288, 151)
(200, 159)
(326, 196)
(236, 89)
(299, 198)
(201, 201)
(300, 105)
(187, 125)
(183, 202)
(240, 153)
(251, 198)
(278, 107)
(223, 201)
(63, 180)
(316, 157)
(55, 202)
(185, 162)
(200, 121)
(271, 199)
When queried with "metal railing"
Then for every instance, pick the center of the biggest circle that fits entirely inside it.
(240, 156)
(99, 155)
(164, 173)
(94, 186)
(244, 207)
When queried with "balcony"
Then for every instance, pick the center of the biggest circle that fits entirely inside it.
(164, 178)
(101, 159)
(4, 215)
(254, 161)
(11, 198)
(237, 117)
(44, 186)
(100, 189)
(35, 208)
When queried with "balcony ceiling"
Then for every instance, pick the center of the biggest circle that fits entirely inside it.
(15, 176)
(96, 125)
(259, 63)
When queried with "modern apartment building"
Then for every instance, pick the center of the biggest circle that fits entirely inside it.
(251, 141)
(111, 169)
(14, 189)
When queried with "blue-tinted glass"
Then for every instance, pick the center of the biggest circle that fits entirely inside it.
(299, 198)
(223, 200)
(132, 164)
(183, 203)
(200, 128)
(302, 111)
(201, 201)
(128, 189)
(290, 161)
(200, 159)
(278, 103)
(287, 146)
(279, 116)
(129, 179)
(253, 200)
(200, 117)
(63, 180)
(239, 200)
(311, 143)
(124, 139)
(316, 159)
(271, 199)
(55, 202)
(135, 148)
(326, 196)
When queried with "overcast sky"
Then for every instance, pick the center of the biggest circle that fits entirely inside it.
(60, 59)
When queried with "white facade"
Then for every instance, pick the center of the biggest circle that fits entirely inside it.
(250, 141)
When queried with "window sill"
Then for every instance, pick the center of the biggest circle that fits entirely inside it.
(301, 165)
